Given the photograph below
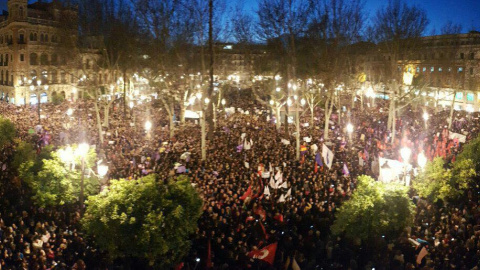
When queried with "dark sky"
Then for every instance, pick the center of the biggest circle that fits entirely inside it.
(465, 12)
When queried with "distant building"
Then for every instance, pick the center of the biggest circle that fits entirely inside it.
(34, 51)
(444, 64)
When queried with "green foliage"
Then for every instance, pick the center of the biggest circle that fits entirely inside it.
(145, 218)
(7, 132)
(471, 151)
(375, 209)
(54, 181)
(438, 182)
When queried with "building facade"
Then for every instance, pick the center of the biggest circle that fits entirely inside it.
(446, 66)
(33, 67)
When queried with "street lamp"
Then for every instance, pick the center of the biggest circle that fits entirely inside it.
(405, 152)
(425, 117)
(32, 88)
(350, 130)
(81, 152)
(223, 102)
(102, 170)
(421, 160)
(69, 112)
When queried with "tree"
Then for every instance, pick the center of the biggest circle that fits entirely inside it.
(7, 132)
(148, 218)
(336, 25)
(438, 181)
(54, 177)
(375, 209)
(397, 28)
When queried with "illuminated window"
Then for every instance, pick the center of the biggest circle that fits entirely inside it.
(470, 97)
(459, 96)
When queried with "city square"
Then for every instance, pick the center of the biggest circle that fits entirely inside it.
(199, 134)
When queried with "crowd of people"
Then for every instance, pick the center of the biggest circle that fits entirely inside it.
(246, 156)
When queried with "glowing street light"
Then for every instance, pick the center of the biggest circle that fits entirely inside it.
(198, 95)
(69, 111)
(350, 130)
(421, 160)
(223, 101)
(302, 102)
(272, 102)
(405, 152)
(289, 102)
(207, 100)
(102, 170)
(425, 116)
(148, 126)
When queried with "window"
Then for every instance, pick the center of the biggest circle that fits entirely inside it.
(462, 56)
(432, 69)
(424, 69)
(22, 57)
(418, 69)
(459, 96)
(33, 59)
(31, 37)
(6, 60)
(449, 69)
(460, 69)
(54, 60)
(21, 38)
(44, 59)
(42, 37)
(472, 56)
(470, 97)
(46, 37)
(471, 71)
(440, 69)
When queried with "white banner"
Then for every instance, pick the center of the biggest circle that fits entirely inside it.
(461, 138)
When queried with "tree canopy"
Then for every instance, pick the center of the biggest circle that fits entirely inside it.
(375, 209)
(55, 180)
(7, 132)
(148, 218)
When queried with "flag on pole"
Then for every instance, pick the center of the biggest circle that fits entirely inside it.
(282, 198)
(272, 183)
(266, 254)
(303, 149)
(327, 155)
(278, 176)
(266, 191)
(248, 193)
(284, 185)
(345, 170)
(289, 193)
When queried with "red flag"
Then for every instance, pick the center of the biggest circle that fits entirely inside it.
(279, 218)
(179, 266)
(209, 255)
(266, 254)
(248, 193)
(316, 167)
(263, 230)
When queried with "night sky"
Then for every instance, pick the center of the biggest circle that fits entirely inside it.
(465, 12)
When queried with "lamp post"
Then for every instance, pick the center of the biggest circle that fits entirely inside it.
(38, 93)
(350, 130)
(81, 152)
(405, 152)
(426, 117)
(421, 160)
(148, 127)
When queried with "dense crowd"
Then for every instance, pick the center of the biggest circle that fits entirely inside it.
(238, 216)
